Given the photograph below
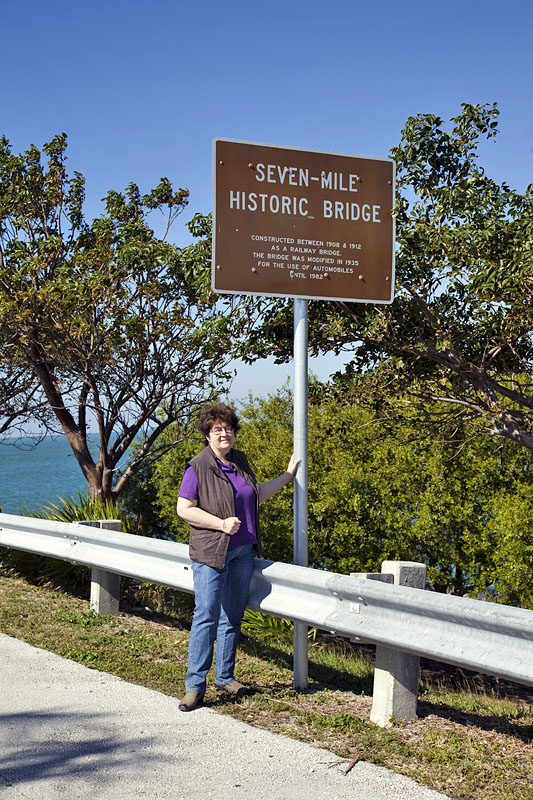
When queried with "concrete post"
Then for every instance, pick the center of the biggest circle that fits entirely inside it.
(105, 585)
(396, 674)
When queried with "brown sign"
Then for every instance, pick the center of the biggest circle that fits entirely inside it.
(302, 223)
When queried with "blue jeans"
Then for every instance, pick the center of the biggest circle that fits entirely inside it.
(220, 600)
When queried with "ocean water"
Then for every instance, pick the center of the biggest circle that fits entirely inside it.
(31, 477)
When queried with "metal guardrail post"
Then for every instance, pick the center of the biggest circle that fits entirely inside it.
(105, 585)
(396, 674)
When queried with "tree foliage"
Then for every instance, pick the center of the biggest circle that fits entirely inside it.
(457, 339)
(462, 509)
(99, 326)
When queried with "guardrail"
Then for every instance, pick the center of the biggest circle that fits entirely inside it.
(474, 634)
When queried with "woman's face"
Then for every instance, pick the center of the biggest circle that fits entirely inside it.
(221, 437)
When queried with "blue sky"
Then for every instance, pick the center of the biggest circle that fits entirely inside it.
(142, 88)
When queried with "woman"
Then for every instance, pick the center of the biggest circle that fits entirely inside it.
(219, 498)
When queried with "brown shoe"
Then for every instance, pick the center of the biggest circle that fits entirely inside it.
(191, 701)
(234, 689)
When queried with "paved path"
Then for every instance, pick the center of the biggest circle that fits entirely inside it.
(70, 732)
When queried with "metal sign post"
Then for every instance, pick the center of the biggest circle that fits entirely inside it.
(306, 224)
(300, 483)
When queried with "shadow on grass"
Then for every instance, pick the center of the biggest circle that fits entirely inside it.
(437, 673)
(494, 722)
(321, 676)
(325, 676)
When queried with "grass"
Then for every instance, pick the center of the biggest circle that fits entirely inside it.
(472, 740)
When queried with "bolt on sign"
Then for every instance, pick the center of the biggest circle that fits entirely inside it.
(302, 223)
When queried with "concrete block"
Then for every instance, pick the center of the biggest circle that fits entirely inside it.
(406, 573)
(105, 592)
(396, 674)
(105, 585)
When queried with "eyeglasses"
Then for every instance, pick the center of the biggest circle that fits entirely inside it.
(220, 431)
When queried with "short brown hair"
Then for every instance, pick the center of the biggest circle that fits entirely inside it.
(219, 411)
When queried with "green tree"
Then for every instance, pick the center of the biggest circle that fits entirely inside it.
(376, 494)
(509, 539)
(99, 325)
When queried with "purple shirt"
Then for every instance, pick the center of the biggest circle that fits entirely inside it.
(244, 499)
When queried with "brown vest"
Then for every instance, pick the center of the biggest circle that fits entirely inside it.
(215, 495)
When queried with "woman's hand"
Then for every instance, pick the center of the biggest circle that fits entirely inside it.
(231, 525)
(270, 488)
(294, 463)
